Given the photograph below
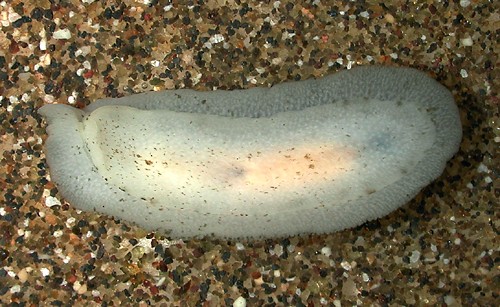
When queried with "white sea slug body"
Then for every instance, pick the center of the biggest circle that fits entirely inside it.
(312, 156)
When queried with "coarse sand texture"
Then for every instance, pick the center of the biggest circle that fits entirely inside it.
(311, 156)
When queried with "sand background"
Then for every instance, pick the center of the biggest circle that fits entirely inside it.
(441, 248)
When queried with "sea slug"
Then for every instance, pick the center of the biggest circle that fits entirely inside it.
(311, 156)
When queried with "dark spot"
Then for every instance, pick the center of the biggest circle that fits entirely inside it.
(370, 191)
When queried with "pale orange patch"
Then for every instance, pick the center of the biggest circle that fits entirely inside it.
(304, 165)
(275, 168)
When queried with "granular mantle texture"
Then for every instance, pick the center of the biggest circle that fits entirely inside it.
(441, 248)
